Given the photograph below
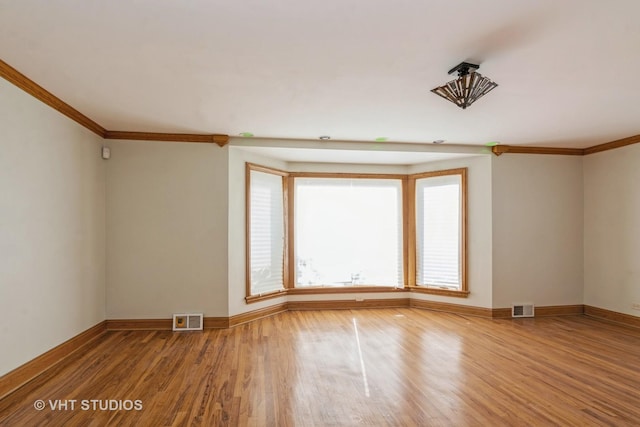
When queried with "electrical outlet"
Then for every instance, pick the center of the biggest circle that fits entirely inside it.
(635, 306)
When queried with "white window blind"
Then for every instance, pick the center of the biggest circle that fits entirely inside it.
(348, 232)
(266, 232)
(438, 231)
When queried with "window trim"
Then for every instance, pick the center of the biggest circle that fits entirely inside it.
(409, 241)
(320, 289)
(411, 214)
(249, 167)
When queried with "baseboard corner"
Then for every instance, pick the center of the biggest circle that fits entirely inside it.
(23, 374)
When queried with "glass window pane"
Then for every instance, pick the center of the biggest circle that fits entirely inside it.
(348, 232)
(438, 231)
(266, 232)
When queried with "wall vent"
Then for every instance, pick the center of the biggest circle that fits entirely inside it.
(187, 322)
(522, 310)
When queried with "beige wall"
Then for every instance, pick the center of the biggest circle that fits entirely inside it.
(52, 228)
(612, 229)
(537, 230)
(166, 229)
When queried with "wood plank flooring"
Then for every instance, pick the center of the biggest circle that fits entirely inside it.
(384, 367)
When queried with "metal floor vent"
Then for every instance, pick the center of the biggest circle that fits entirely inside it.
(187, 322)
(522, 310)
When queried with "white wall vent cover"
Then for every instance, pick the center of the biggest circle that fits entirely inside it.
(187, 322)
(522, 310)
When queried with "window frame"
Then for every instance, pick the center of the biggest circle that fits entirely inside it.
(249, 167)
(463, 291)
(409, 241)
(320, 289)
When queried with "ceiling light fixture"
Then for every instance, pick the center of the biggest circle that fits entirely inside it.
(467, 88)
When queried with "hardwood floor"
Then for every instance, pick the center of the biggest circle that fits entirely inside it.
(395, 367)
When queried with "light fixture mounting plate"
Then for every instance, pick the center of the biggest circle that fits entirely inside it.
(463, 68)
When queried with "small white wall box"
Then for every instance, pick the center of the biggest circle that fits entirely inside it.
(106, 152)
(187, 322)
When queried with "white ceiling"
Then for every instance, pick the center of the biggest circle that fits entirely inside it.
(351, 69)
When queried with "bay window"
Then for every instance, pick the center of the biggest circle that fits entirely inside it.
(322, 232)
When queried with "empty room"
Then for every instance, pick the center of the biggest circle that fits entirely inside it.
(319, 213)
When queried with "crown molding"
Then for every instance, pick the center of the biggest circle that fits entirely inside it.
(219, 139)
(613, 144)
(23, 82)
(524, 149)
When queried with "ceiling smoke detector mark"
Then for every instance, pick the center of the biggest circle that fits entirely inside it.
(324, 137)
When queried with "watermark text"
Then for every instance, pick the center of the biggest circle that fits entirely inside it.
(88, 404)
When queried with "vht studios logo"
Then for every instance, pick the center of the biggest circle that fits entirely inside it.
(89, 405)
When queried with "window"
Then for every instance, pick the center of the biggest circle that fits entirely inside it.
(348, 232)
(322, 232)
(440, 230)
(265, 231)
